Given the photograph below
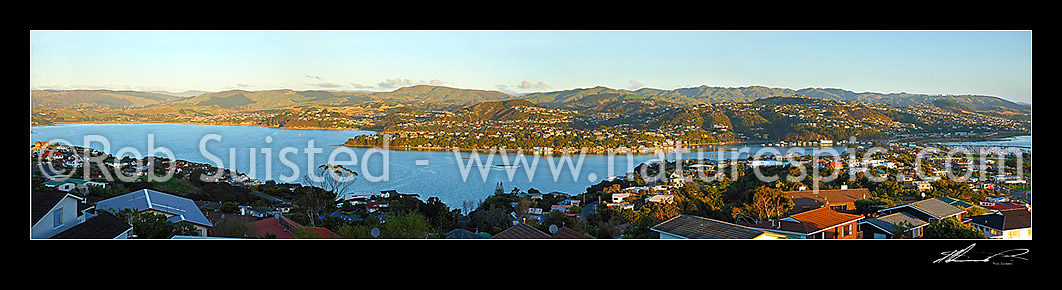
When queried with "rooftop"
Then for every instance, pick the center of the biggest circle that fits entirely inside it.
(524, 231)
(103, 226)
(695, 227)
(932, 206)
(182, 209)
(521, 231)
(1005, 219)
(809, 222)
(888, 222)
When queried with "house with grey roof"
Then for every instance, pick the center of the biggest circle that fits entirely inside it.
(1005, 224)
(883, 227)
(928, 210)
(177, 209)
(695, 227)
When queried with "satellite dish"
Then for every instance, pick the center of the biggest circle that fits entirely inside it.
(553, 229)
(375, 232)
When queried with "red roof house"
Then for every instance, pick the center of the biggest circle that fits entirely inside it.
(820, 223)
(283, 226)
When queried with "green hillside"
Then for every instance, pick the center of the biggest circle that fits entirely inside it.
(96, 99)
(437, 94)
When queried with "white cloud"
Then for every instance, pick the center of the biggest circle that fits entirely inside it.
(635, 84)
(360, 86)
(394, 83)
(537, 86)
(326, 85)
(400, 82)
(505, 89)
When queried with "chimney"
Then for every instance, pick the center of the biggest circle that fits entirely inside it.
(844, 186)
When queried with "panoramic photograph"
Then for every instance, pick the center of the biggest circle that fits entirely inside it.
(256, 135)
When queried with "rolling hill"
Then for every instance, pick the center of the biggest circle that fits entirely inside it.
(103, 99)
(427, 97)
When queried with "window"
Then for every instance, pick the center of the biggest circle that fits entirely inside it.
(57, 218)
(916, 232)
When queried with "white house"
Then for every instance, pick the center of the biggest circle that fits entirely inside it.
(1005, 224)
(666, 198)
(68, 184)
(53, 213)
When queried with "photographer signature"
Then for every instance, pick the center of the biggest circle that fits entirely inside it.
(961, 255)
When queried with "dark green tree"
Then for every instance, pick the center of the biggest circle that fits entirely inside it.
(950, 228)
(151, 225)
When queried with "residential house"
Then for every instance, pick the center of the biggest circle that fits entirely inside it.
(104, 225)
(284, 227)
(664, 198)
(258, 211)
(573, 202)
(521, 231)
(883, 227)
(53, 212)
(1005, 224)
(841, 200)
(176, 209)
(928, 210)
(463, 234)
(68, 184)
(561, 207)
(695, 227)
(819, 223)
(390, 193)
(922, 185)
(629, 206)
(567, 233)
(524, 231)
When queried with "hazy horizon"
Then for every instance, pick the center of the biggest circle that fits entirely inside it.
(987, 63)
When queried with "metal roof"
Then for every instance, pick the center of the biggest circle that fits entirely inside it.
(181, 208)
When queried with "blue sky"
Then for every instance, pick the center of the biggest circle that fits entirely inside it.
(996, 63)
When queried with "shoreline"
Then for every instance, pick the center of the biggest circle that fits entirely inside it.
(193, 123)
(991, 137)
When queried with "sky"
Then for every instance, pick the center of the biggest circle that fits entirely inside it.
(994, 63)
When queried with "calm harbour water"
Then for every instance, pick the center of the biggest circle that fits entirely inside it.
(281, 154)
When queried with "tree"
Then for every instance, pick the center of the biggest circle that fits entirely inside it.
(229, 207)
(405, 225)
(438, 214)
(333, 178)
(305, 233)
(312, 204)
(768, 203)
(900, 228)
(231, 228)
(870, 205)
(151, 225)
(950, 228)
(659, 211)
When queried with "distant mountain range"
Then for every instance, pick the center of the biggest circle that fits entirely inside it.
(438, 97)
